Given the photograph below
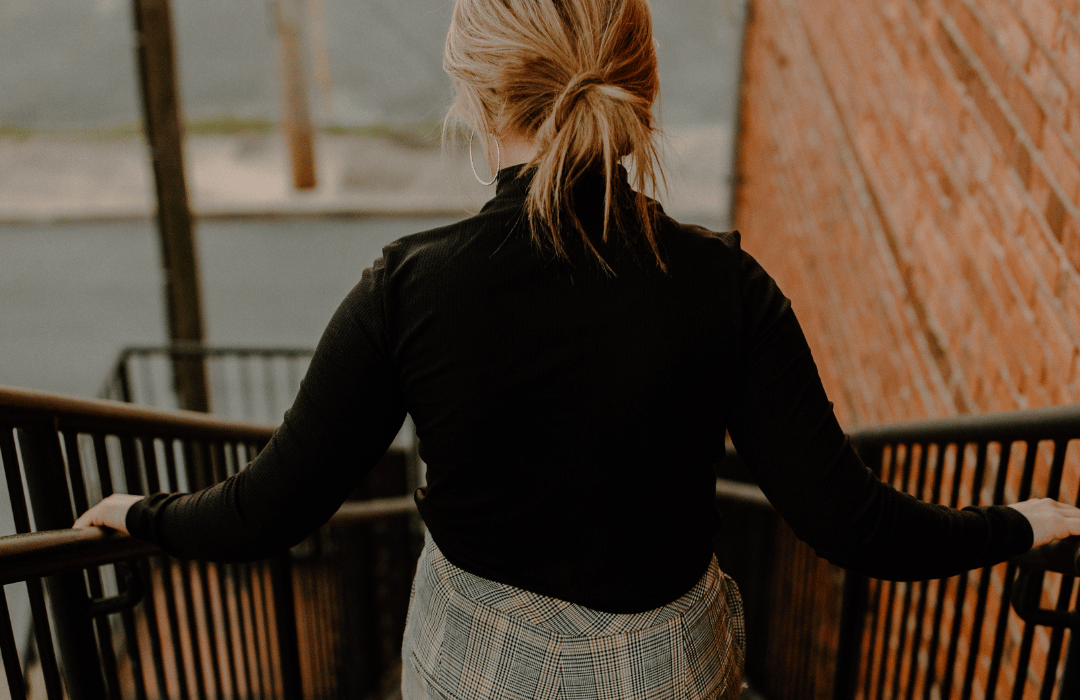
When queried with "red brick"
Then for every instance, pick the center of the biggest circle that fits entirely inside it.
(1042, 17)
(1062, 163)
(1017, 259)
(1059, 343)
(1046, 260)
(1010, 31)
(1070, 241)
(1039, 188)
(1068, 53)
(1048, 86)
(1025, 107)
(982, 44)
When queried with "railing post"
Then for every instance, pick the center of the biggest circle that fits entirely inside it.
(1070, 678)
(853, 609)
(285, 622)
(46, 482)
(852, 612)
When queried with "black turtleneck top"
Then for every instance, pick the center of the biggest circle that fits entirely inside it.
(570, 418)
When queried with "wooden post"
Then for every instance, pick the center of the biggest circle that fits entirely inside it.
(161, 117)
(296, 114)
(320, 56)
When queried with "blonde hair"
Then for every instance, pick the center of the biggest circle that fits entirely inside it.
(578, 77)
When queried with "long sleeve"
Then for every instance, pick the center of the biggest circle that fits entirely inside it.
(784, 428)
(346, 414)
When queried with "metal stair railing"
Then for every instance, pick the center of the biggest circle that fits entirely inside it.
(980, 634)
(112, 617)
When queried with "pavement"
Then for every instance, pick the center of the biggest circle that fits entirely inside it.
(86, 176)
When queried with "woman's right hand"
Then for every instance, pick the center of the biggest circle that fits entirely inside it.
(110, 512)
(1050, 520)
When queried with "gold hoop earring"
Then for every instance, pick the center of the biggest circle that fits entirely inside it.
(498, 162)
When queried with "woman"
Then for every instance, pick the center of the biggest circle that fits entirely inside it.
(572, 358)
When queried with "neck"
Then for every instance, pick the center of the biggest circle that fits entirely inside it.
(513, 149)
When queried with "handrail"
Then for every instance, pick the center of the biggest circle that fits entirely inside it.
(35, 554)
(102, 414)
(1050, 423)
(198, 350)
(1062, 556)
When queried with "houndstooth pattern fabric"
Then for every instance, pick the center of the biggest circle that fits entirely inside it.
(468, 638)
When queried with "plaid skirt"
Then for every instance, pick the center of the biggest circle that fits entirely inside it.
(468, 638)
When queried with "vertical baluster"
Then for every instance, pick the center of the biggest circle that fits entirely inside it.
(13, 479)
(928, 468)
(248, 633)
(1023, 657)
(328, 596)
(292, 377)
(285, 627)
(200, 475)
(883, 469)
(277, 674)
(323, 597)
(261, 617)
(245, 604)
(270, 385)
(10, 652)
(229, 466)
(985, 574)
(139, 480)
(93, 576)
(913, 466)
(1053, 490)
(247, 398)
(962, 580)
(162, 567)
(185, 578)
(220, 399)
(942, 586)
(224, 589)
(34, 587)
(50, 500)
(146, 378)
(127, 617)
(890, 586)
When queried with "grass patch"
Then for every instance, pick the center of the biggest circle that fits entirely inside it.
(11, 131)
(228, 126)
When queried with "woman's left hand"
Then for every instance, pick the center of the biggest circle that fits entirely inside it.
(111, 512)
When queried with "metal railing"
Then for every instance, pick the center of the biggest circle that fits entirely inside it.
(246, 383)
(310, 623)
(961, 637)
(325, 620)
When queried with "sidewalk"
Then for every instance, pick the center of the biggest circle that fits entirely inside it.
(78, 177)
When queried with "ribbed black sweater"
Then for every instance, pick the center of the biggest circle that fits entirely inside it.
(570, 419)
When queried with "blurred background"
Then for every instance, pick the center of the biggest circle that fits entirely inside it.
(79, 259)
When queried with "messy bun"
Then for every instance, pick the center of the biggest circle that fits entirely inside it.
(578, 77)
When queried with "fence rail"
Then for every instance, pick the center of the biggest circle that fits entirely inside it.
(248, 383)
(288, 627)
(274, 628)
(972, 635)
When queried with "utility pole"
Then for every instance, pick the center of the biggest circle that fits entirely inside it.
(296, 114)
(164, 134)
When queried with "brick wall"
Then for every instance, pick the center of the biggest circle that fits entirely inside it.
(909, 171)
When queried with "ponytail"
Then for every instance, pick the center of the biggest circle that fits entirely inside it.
(579, 77)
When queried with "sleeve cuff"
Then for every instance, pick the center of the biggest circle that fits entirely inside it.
(1010, 531)
(143, 517)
